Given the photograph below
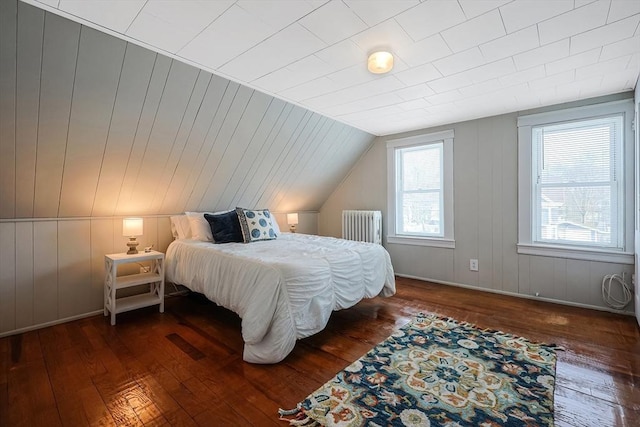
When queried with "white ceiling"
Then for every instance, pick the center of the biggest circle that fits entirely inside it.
(454, 59)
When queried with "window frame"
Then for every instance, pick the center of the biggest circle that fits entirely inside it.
(526, 186)
(446, 139)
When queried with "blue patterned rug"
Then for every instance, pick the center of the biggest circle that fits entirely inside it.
(438, 372)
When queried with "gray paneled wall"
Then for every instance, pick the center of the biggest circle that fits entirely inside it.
(51, 270)
(94, 126)
(485, 215)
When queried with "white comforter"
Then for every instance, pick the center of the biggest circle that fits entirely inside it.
(283, 289)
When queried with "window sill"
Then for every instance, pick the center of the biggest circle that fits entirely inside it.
(576, 253)
(422, 241)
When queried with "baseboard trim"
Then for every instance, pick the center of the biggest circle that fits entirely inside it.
(51, 323)
(514, 294)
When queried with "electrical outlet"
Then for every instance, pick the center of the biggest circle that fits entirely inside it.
(473, 264)
(145, 269)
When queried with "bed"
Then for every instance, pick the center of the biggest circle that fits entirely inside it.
(283, 289)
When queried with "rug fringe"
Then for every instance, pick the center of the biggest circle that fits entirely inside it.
(285, 412)
(299, 417)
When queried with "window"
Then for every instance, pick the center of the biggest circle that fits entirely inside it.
(420, 184)
(575, 182)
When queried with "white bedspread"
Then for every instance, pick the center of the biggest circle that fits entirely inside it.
(283, 289)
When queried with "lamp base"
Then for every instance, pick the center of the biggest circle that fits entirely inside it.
(132, 244)
(292, 228)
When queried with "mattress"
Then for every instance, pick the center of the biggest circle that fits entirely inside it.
(283, 289)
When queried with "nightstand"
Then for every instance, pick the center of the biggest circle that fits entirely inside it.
(155, 280)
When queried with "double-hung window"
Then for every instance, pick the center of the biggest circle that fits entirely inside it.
(576, 183)
(420, 189)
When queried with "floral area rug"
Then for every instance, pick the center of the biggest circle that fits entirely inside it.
(438, 372)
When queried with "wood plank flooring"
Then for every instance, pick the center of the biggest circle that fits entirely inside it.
(185, 368)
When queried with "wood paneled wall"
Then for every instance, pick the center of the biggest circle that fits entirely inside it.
(94, 126)
(52, 270)
(485, 216)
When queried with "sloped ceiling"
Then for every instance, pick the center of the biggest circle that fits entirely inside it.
(91, 125)
(455, 59)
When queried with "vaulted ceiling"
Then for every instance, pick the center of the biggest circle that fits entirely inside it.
(94, 126)
(454, 59)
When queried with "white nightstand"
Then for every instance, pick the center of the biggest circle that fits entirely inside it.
(155, 280)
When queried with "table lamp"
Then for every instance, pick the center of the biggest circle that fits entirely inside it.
(132, 227)
(292, 220)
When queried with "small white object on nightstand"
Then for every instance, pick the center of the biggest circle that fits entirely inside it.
(154, 278)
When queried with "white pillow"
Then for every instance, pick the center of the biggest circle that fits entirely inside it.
(180, 227)
(200, 228)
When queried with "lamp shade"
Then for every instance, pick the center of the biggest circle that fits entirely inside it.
(132, 227)
(380, 62)
(292, 219)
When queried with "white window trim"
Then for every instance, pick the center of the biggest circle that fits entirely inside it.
(447, 241)
(525, 232)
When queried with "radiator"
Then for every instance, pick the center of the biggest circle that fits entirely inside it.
(362, 226)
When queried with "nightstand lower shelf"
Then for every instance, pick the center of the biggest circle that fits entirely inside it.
(137, 301)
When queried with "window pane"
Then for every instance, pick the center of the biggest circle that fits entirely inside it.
(419, 196)
(420, 183)
(421, 213)
(577, 152)
(577, 182)
(578, 214)
(421, 167)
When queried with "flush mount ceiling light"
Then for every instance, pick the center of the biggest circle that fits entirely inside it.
(380, 62)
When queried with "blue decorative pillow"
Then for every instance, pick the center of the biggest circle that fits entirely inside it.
(225, 227)
(256, 224)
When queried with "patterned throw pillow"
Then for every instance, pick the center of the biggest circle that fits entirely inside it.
(256, 224)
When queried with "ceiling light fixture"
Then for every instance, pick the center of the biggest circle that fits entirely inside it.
(380, 62)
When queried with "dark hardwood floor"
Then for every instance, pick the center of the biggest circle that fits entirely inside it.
(185, 367)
